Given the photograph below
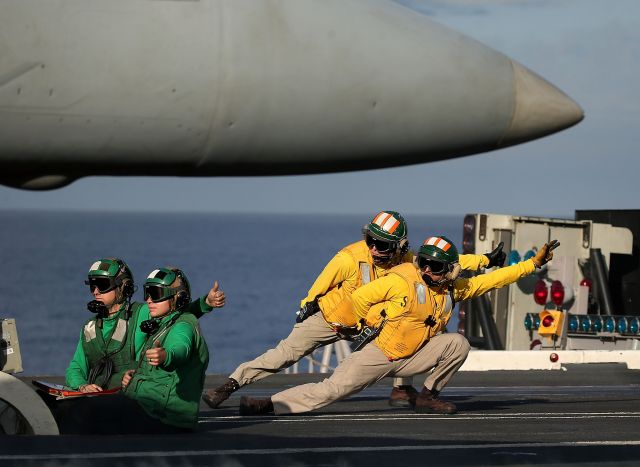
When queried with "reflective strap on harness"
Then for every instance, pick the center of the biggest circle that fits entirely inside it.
(448, 304)
(365, 273)
(421, 292)
(90, 331)
(120, 332)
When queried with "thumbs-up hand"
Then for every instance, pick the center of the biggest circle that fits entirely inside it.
(496, 257)
(215, 298)
(156, 355)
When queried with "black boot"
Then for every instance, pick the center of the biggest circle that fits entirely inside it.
(251, 406)
(215, 397)
(428, 402)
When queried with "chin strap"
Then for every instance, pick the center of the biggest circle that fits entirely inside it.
(382, 260)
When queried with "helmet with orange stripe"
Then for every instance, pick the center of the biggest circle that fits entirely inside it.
(387, 232)
(438, 257)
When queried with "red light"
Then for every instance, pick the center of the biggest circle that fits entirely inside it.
(557, 293)
(553, 357)
(461, 328)
(540, 293)
(547, 321)
(586, 282)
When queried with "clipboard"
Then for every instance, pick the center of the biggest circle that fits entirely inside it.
(58, 391)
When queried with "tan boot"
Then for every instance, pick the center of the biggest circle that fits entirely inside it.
(251, 406)
(428, 402)
(215, 397)
(403, 396)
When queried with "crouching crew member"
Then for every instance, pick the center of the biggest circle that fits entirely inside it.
(326, 314)
(405, 312)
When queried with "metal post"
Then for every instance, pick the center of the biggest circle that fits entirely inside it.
(471, 326)
(488, 325)
(326, 358)
(601, 279)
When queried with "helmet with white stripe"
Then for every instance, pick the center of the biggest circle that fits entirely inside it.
(439, 249)
(108, 274)
(438, 256)
(388, 232)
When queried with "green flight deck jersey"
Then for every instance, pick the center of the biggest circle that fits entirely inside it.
(171, 392)
(120, 339)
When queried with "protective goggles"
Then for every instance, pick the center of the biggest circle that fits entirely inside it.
(436, 267)
(157, 293)
(103, 284)
(383, 246)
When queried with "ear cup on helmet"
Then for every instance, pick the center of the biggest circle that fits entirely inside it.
(454, 272)
(183, 296)
(403, 246)
(127, 289)
(182, 299)
(125, 280)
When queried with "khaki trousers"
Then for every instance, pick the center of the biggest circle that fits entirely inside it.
(445, 353)
(305, 337)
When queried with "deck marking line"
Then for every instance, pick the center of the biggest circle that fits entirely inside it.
(235, 452)
(357, 418)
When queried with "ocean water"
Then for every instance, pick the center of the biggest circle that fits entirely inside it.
(264, 263)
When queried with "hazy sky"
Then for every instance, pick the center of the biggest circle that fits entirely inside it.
(588, 48)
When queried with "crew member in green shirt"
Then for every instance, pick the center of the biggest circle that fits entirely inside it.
(110, 342)
(161, 394)
(169, 378)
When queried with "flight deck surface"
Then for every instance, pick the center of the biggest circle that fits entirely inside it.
(584, 414)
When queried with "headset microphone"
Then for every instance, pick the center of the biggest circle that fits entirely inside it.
(97, 307)
(150, 326)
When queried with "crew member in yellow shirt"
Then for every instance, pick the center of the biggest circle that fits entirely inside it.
(405, 313)
(326, 315)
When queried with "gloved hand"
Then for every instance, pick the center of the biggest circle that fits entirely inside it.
(496, 257)
(545, 254)
(309, 308)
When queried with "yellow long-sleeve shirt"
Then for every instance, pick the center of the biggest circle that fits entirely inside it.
(406, 327)
(342, 268)
(391, 289)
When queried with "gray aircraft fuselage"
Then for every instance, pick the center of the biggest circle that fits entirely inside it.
(250, 87)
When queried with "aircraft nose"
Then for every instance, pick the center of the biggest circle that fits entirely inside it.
(539, 108)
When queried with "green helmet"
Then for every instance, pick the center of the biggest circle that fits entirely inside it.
(387, 225)
(439, 249)
(158, 286)
(440, 255)
(387, 231)
(109, 273)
